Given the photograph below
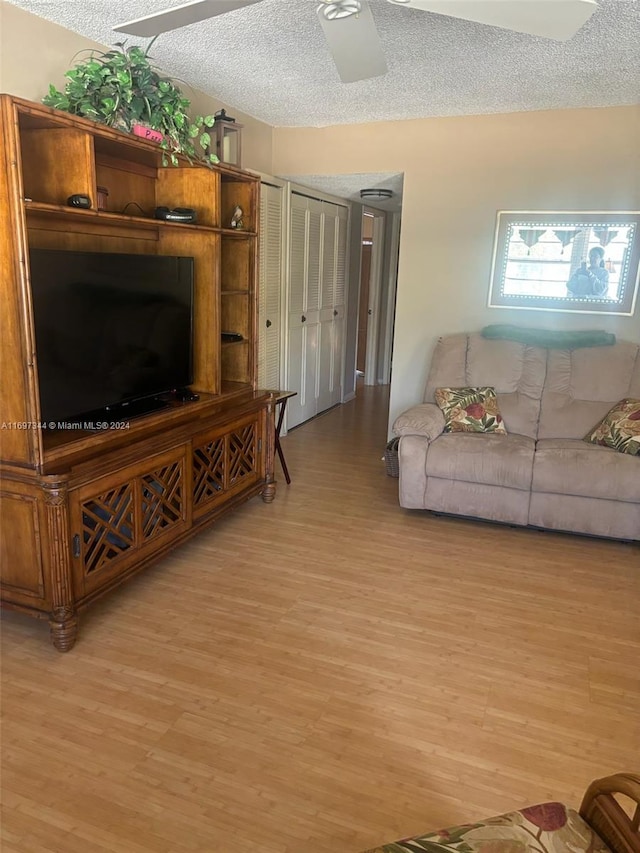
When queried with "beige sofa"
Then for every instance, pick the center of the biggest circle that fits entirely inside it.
(542, 473)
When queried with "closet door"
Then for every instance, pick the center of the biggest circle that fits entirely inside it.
(303, 311)
(271, 284)
(316, 300)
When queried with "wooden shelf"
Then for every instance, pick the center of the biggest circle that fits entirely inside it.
(238, 233)
(73, 214)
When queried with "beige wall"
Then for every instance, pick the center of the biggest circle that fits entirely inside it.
(458, 173)
(35, 53)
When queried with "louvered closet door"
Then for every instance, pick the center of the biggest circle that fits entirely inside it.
(271, 278)
(304, 307)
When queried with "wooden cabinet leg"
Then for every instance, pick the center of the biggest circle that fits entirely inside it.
(64, 628)
(63, 620)
(269, 492)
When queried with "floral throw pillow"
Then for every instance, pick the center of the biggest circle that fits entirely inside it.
(620, 428)
(470, 410)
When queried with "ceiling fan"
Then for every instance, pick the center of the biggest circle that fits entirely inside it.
(351, 34)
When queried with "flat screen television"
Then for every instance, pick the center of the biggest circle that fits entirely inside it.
(114, 332)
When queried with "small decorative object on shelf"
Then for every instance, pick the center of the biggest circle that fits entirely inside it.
(228, 136)
(147, 133)
(236, 219)
(103, 195)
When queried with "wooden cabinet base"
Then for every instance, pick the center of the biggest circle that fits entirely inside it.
(70, 537)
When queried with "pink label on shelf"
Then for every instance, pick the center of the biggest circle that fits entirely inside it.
(147, 133)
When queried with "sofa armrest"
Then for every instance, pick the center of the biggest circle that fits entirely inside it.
(424, 419)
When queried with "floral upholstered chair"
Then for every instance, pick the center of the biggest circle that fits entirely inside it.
(602, 826)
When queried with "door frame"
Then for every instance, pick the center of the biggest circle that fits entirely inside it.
(375, 288)
(393, 246)
(284, 187)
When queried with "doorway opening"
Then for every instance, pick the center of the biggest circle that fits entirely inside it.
(377, 295)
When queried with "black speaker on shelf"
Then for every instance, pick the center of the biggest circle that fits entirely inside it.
(79, 200)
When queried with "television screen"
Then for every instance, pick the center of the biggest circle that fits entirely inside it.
(111, 330)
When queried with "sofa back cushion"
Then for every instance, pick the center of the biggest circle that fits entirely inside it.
(515, 370)
(583, 384)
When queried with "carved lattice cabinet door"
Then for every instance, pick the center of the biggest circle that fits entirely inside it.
(225, 461)
(117, 519)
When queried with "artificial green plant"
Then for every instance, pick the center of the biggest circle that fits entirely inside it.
(121, 88)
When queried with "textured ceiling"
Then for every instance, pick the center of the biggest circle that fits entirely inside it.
(270, 60)
(349, 186)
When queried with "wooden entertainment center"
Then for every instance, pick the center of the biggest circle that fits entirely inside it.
(82, 510)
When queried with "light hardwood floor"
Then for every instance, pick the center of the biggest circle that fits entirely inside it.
(356, 673)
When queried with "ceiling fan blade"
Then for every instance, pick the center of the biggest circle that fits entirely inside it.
(181, 16)
(553, 19)
(355, 45)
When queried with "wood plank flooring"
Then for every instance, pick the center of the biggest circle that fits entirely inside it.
(356, 673)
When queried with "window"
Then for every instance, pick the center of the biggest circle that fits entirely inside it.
(581, 262)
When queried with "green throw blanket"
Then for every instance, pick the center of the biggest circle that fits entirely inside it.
(549, 338)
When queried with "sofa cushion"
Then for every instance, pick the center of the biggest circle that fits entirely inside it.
(620, 428)
(583, 384)
(515, 370)
(492, 459)
(571, 466)
(546, 828)
(470, 410)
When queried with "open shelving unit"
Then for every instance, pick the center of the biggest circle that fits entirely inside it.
(95, 507)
